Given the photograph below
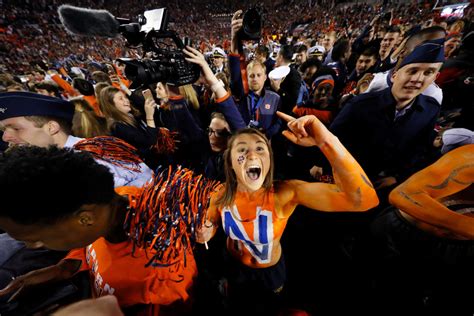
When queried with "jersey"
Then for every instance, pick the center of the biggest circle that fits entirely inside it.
(115, 270)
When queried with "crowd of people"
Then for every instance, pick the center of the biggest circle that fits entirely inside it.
(321, 166)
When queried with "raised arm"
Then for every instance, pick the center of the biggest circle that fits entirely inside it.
(420, 195)
(225, 102)
(236, 83)
(236, 25)
(352, 190)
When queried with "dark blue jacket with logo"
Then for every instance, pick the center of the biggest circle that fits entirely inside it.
(267, 119)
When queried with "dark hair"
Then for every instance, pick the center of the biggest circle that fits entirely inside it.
(339, 49)
(227, 199)
(370, 52)
(49, 86)
(219, 116)
(394, 29)
(426, 34)
(383, 28)
(53, 183)
(83, 86)
(286, 51)
(311, 62)
(430, 33)
(302, 49)
(262, 50)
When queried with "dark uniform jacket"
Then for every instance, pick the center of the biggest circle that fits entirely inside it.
(367, 127)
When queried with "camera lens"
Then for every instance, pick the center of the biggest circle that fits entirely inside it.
(252, 23)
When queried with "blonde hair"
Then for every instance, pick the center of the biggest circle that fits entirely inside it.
(188, 92)
(110, 111)
(254, 63)
(85, 122)
(457, 26)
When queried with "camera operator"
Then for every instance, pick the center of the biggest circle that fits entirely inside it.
(258, 107)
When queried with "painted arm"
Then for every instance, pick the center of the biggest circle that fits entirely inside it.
(352, 190)
(419, 195)
(64, 85)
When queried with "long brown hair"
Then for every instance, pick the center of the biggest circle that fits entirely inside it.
(110, 111)
(86, 123)
(227, 198)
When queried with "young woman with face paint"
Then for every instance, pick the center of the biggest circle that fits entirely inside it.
(254, 210)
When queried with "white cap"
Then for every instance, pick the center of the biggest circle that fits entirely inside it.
(315, 50)
(279, 73)
(76, 70)
(455, 137)
(218, 52)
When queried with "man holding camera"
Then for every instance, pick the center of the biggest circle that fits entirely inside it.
(258, 107)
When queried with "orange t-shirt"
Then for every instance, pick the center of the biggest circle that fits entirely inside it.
(115, 270)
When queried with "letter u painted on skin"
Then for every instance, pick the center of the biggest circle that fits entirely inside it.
(261, 245)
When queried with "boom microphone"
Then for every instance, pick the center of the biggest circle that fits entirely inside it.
(89, 22)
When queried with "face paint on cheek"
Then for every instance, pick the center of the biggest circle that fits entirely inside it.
(241, 160)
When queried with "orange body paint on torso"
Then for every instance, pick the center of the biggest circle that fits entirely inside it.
(254, 229)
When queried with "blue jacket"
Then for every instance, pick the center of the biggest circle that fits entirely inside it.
(179, 118)
(265, 106)
(368, 129)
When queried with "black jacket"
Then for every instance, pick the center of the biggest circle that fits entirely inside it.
(367, 128)
(289, 90)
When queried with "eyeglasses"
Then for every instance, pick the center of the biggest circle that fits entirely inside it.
(218, 132)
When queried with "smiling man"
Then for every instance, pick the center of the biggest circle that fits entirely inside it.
(387, 131)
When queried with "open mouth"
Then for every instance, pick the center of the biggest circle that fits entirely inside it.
(253, 172)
